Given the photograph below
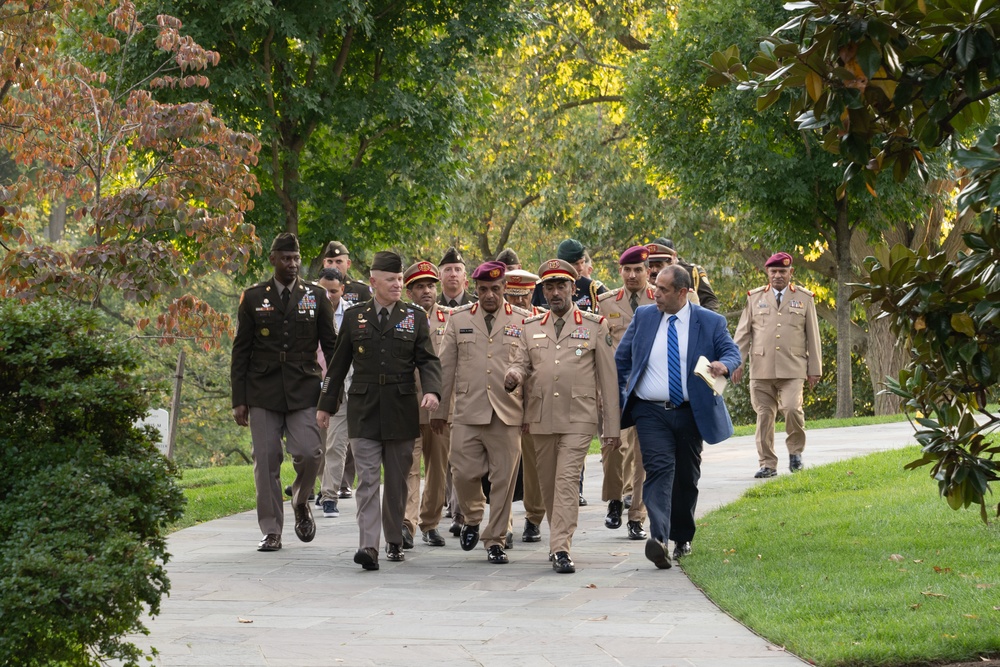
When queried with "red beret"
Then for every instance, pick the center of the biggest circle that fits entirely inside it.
(779, 259)
(637, 254)
(489, 271)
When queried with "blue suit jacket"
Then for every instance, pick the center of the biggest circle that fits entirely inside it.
(708, 337)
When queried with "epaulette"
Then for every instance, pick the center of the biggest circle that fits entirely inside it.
(609, 294)
(416, 307)
(462, 308)
(523, 312)
(759, 289)
(363, 304)
(535, 318)
(593, 317)
(799, 288)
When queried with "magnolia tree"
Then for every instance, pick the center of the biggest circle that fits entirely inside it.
(886, 84)
(161, 189)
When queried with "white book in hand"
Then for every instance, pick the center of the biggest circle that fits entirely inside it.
(717, 384)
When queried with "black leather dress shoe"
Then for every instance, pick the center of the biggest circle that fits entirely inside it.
(635, 531)
(470, 537)
(531, 532)
(681, 549)
(656, 551)
(497, 555)
(407, 538)
(562, 563)
(795, 462)
(583, 501)
(271, 542)
(765, 472)
(433, 538)
(394, 552)
(456, 526)
(614, 518)
(367, 558)
(305, 527)
(509, 542)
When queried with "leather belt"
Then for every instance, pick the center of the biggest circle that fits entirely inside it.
(667, 405)
(382, 378)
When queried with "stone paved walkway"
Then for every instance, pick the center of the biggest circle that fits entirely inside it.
(309, 605)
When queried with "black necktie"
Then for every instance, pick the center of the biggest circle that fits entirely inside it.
(777, 297)
(489, 322)
(453, 304)
(634, 301)
(559, 326)
(383, 317)
(284, 297)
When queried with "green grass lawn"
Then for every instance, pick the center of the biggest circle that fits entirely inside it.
(855, 563)
(217, 492)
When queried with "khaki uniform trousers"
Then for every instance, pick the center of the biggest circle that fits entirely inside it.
(336, 454)
(534, 506)
(370, 456)
(433, 449)
(493, 450)
(560, 458)
(628, 468)
(615, 474)
(302, 439)
(767, 397)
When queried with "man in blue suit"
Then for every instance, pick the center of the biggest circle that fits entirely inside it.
(672, 409)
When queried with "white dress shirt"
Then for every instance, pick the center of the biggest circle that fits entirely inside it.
(654, 384)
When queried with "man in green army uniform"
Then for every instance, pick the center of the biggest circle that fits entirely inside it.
(386, 340)
(276, 381)
(336, 256)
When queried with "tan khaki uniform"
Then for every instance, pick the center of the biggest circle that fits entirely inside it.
(624, 464)
(432, 448)
(534, 505)
(486, 421)
(782, 345)
(565, 376)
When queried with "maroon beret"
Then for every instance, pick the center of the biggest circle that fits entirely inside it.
(489, 271)
(637, 254)
(779, 259)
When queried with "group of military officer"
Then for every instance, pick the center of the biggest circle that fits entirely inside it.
(494, 390)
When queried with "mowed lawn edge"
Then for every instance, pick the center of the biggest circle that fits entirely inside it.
(855, 563)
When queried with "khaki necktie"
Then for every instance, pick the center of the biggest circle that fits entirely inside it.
(559, 326)
(634, 301)
(489, 322)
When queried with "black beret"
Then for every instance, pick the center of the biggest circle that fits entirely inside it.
(285, 241)
(387, 261)
(663, 240)
(570, 251)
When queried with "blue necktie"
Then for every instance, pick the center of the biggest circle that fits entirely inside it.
(674, 363)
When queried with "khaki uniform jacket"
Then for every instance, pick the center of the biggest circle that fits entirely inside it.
(438, 318)
(780, 343)
(615, 307)
(382, 403)
(474, 362)
(565, 375)
(274, 352)
(355, 292)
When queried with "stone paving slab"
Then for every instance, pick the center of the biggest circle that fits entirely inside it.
(309, 605)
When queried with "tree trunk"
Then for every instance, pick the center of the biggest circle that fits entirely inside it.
(885, 358)
(845, 275)
(289, 194)
(57, 220)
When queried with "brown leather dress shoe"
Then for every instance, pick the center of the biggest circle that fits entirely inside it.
(271, 542)
(367, 558)
(305, 527)
(656, 551)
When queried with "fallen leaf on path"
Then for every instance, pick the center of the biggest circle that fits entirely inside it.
(619, 553)
(942, 570)
(775, 648)
(243, 620)
(591, 585)
(599, 618)
(918, 560)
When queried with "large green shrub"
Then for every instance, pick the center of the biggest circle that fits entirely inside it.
(85, 497)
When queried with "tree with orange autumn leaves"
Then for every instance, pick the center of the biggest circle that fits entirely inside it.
(162, 189)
